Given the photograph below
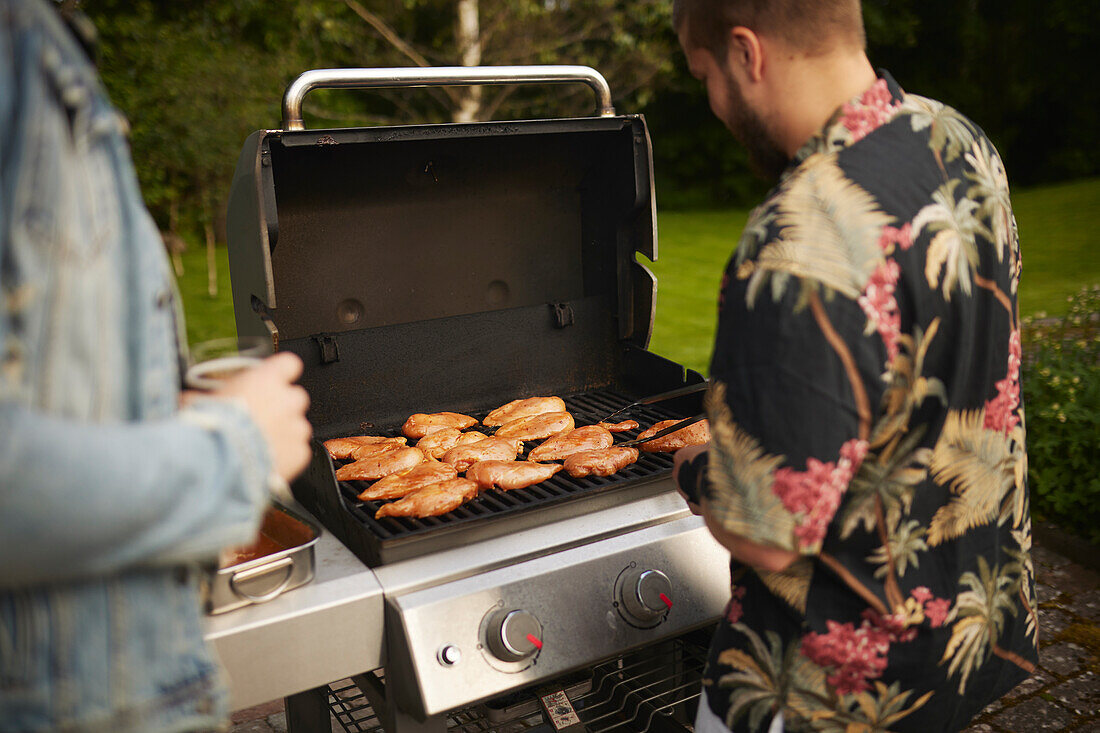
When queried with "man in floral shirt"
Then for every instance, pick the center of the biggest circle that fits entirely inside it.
(866, 466)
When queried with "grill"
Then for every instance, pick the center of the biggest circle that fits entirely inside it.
(428, 268)
(494, 512)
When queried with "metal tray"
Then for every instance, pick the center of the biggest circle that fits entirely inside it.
(281, 558)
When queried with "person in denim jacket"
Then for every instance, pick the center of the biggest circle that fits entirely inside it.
(110, 494)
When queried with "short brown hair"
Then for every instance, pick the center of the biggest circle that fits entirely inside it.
(813, 26)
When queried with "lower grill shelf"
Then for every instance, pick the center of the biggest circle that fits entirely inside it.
(656, 689)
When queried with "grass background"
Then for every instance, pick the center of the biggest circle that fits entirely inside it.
(1059, 238)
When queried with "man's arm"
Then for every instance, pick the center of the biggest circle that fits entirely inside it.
(745, 551)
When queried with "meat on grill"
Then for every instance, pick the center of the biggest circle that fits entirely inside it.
(420, 424)
(490, 449)
(433, 500)
(381, 465)
(565, 444)
(341, 448)
(375, 450)
(536, 427)
(516, 409)
(397, 485)
(508, 475)
(437, 443)
(695, 434)
(602, 462)
(620, 427)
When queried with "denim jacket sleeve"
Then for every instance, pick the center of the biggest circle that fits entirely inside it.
(88, 499)
(99, 470)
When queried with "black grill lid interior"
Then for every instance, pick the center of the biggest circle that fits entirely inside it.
(446, 266)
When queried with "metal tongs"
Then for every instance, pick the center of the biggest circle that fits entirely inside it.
(654, 399)
(670, 395)
(667, 431)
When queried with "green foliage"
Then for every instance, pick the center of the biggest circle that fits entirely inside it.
(1061, 385)
(1023, 70)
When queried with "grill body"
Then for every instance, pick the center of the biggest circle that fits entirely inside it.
(426, 268)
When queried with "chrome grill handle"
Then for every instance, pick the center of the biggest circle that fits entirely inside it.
(438, 76)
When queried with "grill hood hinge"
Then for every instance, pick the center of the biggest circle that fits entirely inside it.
(563, 315)
(330, 349)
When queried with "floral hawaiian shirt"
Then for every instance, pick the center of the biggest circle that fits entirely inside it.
(865, 413)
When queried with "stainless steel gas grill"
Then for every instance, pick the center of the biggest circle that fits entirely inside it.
(430, 268)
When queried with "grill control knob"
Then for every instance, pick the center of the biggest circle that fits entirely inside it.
(514, 635)
(646, 595)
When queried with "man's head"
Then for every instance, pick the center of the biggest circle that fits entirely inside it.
(754, 56)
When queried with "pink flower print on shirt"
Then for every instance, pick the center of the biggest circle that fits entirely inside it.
(813, 495)
(874, 109)
(854, 656)
(936, 611)
(734, 610)
(1000, 412)
(881, 307)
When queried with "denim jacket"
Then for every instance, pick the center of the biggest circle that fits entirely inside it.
(109, 494)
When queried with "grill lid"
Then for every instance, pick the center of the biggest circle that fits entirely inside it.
(446, 266)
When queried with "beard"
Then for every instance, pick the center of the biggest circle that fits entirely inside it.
(766, 158)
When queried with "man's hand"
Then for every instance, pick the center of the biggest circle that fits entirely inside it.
(278, 407)
(678, 459)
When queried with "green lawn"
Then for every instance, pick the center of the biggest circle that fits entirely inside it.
(1059, 232)
(1059, 237)
(207, 317)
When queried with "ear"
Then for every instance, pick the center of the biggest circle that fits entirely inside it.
(746, 52)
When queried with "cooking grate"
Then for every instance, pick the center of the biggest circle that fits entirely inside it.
(655, 689)
(587, 408)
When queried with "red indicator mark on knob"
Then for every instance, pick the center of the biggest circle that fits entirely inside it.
(666, 599)
(535, 640)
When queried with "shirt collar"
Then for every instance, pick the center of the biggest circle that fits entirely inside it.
(855, 120)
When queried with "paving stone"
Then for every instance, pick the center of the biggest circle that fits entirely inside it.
(1063, 658)
(1051, 623)
(979, 728)
(1073, 579)
(1080, 693)
(277, 722)
(257, 711)
(1042, 557)
(1092, 726)
(991, 708)
(1034, 683)
(1034, 714)
(1046, 593)
(252, 726)
(1087, 605)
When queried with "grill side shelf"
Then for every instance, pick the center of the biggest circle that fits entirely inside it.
(493, 512)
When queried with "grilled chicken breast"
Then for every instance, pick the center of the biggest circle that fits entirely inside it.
(420, 424)
(536, 427)
(341, 448)
(603, 462)
(695, 434)
(381, 465)
(432, 500)
(620, 427)
(490, 449)
(516, 409)
(437, 443)
(374, 450)
(397, 485)
(508, 475)
(565, 444)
